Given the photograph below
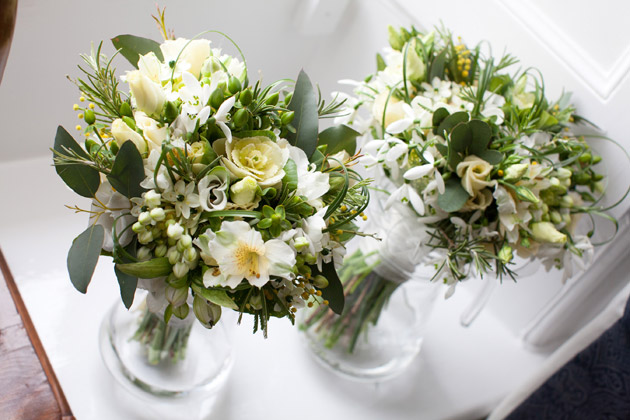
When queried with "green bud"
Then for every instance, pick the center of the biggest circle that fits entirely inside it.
(234, 85)
(596, 159)
(176, 296)
(598, 177)
(556, 217)
(176, 282)
(288, 97)
(91, 144)
(246, 97)
(566, 201)
(305, 270)
(515, 172)
(170, 111)
(130, 122)
(273, 99)
(320, 281)
(394, 38)
(526, 194)
(206, 312)
(113, 147)
(89, 116)
(581, 178)
(287, 117)
(160, 250)
(505, 254)
(264, 224)
(216, 98)
(585, 158)
(181, 311)
(125, 110)
(240, 117)
(547, 232)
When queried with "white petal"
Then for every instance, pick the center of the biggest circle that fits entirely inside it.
(225, 107)
(203, 115)
(416, 201)
(440, 182)
(226, 131)
(399, 126)
(418, 172)
(395, 152)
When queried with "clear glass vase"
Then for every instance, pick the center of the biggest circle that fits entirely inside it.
(381, 329)
(173, 370)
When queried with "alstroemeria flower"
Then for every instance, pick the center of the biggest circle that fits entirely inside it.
(241, 253)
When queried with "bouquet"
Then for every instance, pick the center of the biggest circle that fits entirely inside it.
(206, 191)
(484, 165)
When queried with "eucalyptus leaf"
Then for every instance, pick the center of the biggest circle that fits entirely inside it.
(338, 138)
(333, 293)
(128, 285)
(451, 121)
(493, 157)
(83, 256)
(128, 171)
(216, 296)
(132, 47)
(438, 116)
(481, 135)
(304, 105)
(461, 138)
(82, 179)
(156, 267)
(442, 148)
(290, 180)
(454, 197)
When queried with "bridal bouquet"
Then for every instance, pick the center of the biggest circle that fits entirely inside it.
(484, 165)
(206, 191)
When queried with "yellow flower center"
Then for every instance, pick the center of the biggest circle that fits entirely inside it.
(248, 259)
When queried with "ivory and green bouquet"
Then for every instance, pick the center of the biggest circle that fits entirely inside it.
(485, 165)
(207, 191)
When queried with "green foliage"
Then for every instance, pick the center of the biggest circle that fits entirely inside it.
(80, 177)
(454, 197)
(132, 47)
(157, 267)
(127, 284)
(83, 256)
(128, 171)
(304, 105)
(333, 293)
(338, 138)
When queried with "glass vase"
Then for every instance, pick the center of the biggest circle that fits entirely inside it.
(381, 329)
(173, 370)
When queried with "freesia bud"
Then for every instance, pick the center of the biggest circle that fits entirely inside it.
(547, 232)
(122, 133)
(148, 94)
(244, 191)
(515, 172)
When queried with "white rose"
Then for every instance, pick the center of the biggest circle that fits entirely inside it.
(259, 157)
(149, 95)
(193, 53)
(473, 171)
(122, 133)
(480, 201)
(154, 134)
(394, 111)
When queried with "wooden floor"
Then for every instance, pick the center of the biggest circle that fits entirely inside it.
(28, 386)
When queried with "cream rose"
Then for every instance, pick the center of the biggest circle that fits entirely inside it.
(474, 171)
(480, 201)
(258, 157)
(155, 135)
(193, 53)
(122, 133)
(148, 94)
(394, 111)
